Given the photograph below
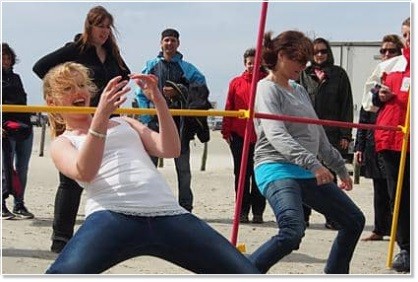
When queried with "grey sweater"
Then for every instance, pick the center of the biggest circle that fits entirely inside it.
(289, 142)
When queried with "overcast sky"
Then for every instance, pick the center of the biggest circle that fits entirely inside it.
(213, 35)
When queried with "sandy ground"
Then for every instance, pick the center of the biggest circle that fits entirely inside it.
(26, 243)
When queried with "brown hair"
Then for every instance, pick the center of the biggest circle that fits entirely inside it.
(395, 39)
(95, 17)
(55, 81)
(407, 21)
(295, 45)
(7, 50)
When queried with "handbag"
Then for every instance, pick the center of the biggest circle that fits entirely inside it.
(17, 129)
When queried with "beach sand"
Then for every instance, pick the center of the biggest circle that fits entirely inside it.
(26, 243)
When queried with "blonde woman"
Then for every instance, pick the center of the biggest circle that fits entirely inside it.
(130, 209)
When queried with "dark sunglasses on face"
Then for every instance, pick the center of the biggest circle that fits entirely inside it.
(389, 50)
(322, 51)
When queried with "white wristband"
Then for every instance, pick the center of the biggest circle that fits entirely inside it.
(97, 134)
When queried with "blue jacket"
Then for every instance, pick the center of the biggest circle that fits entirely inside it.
(182, 73)
(176, 70)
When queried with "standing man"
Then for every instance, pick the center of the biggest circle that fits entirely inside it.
(183, 86)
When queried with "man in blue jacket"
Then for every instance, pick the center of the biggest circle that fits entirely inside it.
(184, 87)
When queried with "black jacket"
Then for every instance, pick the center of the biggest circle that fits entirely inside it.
(13, 93)
(101, 72)
(332, 99)
(372, 166)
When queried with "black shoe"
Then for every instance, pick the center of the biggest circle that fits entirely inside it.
(22, 212)
(307, 223)
(57, 246)
(244, 219)
(401, 262)
(6, 214)
(258, 219)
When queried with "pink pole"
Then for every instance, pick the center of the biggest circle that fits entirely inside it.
(249, 125)
(326, 122)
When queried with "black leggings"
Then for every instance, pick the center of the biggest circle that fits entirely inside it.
(67, 202)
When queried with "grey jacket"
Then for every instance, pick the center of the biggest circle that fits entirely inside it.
(305, 145)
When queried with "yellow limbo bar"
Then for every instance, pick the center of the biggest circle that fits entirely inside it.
(129, 111)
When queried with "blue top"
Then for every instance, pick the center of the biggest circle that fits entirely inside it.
(175, 70)
(268, 172)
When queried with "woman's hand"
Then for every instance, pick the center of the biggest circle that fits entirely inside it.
(346, 184)
(113, 96)
(149, 85)
(323, 176)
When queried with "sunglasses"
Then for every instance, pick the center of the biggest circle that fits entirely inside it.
(322, 51)
(389, 50)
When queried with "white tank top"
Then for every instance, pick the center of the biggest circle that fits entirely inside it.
(127, 181)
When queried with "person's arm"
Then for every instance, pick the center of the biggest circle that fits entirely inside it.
(142, 100)
(84, 164)
(229, 106)
(62, 55)
(165, 143)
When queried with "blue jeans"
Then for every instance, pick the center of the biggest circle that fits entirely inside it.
(286, 198)
(21, 153)
(107, 238)
(184, 175)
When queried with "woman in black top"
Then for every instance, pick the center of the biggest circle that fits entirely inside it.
(17, 137)
(96, 48)
(329, 88)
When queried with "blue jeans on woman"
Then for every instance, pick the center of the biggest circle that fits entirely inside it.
(107, 238)
(286, 197)
(21, 152)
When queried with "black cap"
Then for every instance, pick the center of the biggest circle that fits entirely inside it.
(170, 32)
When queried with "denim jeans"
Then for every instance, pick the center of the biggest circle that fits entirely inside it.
(21, 153)
(286, 198)
(107, 238)
(184, 175)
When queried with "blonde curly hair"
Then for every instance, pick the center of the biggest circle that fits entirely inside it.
(55, 85)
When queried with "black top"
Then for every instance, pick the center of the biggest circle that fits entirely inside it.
(101, 72)
(13, 94)
(332, 99)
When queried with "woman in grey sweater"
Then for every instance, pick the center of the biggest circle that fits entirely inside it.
(288, 160)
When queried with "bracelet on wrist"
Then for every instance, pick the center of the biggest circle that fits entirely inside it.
(97, 134)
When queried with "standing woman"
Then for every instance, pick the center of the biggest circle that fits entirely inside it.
(233, 131)
(372, 165)
(287, 166)
(96, 49)
(18, 131)
(393, 96)
(329, 88)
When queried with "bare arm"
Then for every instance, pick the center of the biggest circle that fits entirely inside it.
(166, 142)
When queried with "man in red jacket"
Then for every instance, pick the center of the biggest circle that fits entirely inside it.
(393, 97)
(233, 131)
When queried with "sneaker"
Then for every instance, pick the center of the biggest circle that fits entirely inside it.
(22, 212)
(6, 214)
(401, 262)
(57, 246)
(258, 219)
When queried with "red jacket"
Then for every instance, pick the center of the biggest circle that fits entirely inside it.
(239, 99)
(393, 112)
